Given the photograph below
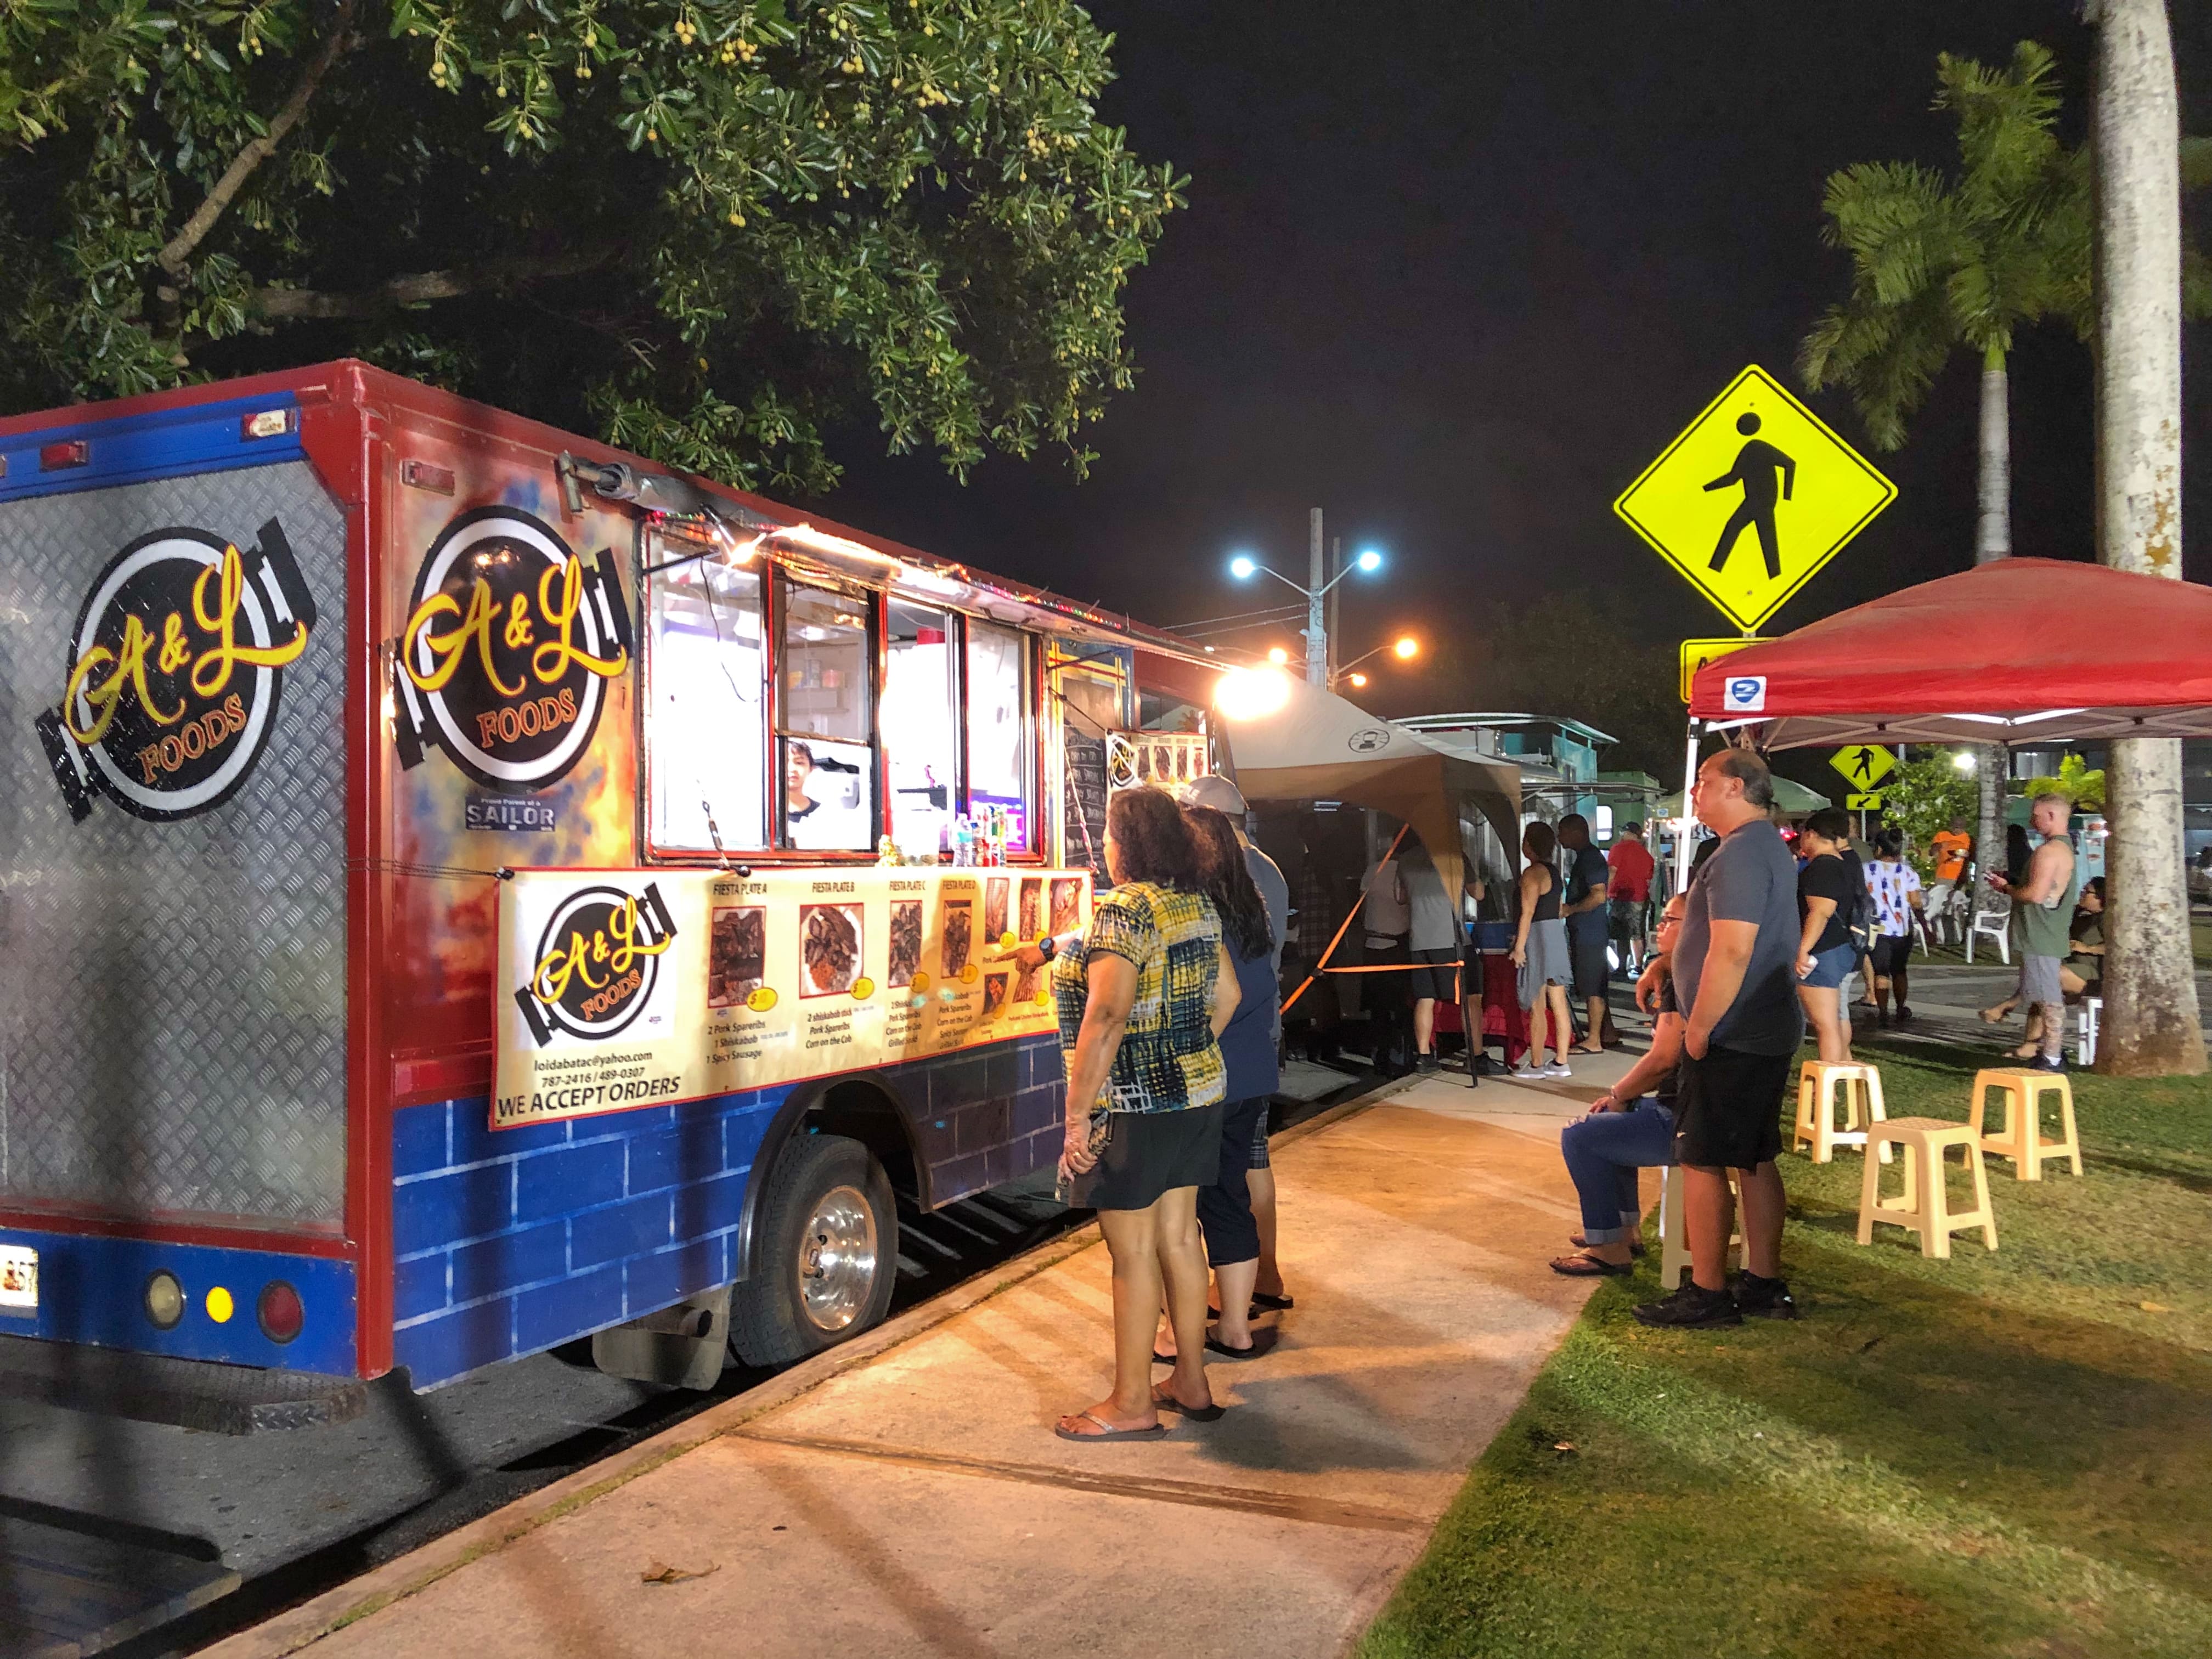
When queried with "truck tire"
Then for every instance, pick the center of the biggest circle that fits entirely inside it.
(825, 1256)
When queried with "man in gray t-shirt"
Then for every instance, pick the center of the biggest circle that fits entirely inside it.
(1736, 982)
(1432, 941)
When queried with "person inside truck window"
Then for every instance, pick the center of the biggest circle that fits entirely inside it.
(825, 800)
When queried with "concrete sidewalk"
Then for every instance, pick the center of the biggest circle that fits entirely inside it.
(918, 1503)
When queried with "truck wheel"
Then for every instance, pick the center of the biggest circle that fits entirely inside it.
(825, 1257)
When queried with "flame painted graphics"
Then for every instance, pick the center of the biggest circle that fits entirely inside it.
(599, 960)
(511, 640)
(174, 671)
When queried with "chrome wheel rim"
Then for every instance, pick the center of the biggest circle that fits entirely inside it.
(837, 1259)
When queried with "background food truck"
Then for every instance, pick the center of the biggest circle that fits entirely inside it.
(294, 668)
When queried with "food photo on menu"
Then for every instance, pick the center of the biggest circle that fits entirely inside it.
(829, 948)
(1032, 910)
(997, 892)
(959, 927)
(737, 955)
(1067, 905)
(906, 941)
(994, 993)
(1025, 984)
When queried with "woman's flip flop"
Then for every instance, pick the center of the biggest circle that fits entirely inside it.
(1107, 1431)
(1273, 1303)
(1167, 1402)
(1588, 1267)
(1263, 1341)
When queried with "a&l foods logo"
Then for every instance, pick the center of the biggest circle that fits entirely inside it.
(508, 646)
(175, 667)
(597, 964)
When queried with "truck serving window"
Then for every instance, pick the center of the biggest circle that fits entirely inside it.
(1000, 767)
(707, 724)
(920, 724)
(824, 722)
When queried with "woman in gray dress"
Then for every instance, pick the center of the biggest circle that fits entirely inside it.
(1540, 953)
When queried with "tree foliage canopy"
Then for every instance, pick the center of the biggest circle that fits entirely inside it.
(1921, 798)
(1968, 260)
(707, 228)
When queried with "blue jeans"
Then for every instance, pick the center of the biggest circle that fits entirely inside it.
(1604, 1153)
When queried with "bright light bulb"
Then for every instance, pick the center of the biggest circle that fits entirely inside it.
(1369, 561)
(1964, 760)
(1358, 680)
(1250, 694)
(1277, 655)
(1407, 649)
(1243, 566)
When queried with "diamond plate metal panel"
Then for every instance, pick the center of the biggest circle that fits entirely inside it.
(173, 994)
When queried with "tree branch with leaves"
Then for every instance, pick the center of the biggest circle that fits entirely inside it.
(714, 231)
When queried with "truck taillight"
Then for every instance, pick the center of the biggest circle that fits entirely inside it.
(52, 457)
(282, 1312)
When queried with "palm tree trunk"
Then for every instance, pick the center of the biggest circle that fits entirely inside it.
(2151, 1025)
(1992, 540)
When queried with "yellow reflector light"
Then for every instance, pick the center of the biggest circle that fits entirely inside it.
(220, 1307)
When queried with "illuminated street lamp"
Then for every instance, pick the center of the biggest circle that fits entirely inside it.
(1243, 567)
(1405, 648)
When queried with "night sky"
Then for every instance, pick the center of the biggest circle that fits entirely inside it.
(1456, 273)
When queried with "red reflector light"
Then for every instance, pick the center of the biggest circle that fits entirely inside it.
(53, 456)
(281, 1311)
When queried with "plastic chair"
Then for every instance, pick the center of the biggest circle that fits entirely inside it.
(2092, 1009)
(1992, 918)
(2021, 1093)
(1925, 1206)
(1821, 1088)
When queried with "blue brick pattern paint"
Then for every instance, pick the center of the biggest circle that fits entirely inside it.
(510, 1241)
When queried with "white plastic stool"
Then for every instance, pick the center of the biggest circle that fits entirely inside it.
(1822, 1087)
(1674, 1240)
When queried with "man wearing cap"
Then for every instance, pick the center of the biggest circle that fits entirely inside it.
(1224, 797)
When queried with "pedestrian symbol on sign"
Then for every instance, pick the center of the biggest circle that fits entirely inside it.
(1756, 464)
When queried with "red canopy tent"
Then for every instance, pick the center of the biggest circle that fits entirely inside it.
(2017, 651)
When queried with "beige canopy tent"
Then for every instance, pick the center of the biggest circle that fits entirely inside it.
(1319, 747)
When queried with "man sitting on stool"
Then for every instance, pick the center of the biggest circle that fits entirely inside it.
(1627, 1130)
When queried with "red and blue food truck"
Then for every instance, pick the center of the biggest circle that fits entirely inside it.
(465, 889)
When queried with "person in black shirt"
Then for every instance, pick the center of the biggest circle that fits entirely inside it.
(1825, 951)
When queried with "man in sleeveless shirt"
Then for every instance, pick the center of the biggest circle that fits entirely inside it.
(2043, 905)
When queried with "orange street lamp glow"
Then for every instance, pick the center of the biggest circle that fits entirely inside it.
(1277, 655)
(1358, 680)
(1407, 649)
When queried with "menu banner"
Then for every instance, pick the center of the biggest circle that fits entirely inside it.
(620, 988)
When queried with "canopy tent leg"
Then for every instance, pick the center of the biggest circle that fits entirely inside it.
(1682, 836)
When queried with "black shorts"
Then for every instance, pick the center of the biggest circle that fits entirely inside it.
(1729, 1111)
(1591, 969)
(1893, 951)
(1435, 974)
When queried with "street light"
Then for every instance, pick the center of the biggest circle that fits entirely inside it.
(1964, 760)
(1250, 694)
(1243, 567)
(1278, 655)
(1405, 648)
(1359, 681)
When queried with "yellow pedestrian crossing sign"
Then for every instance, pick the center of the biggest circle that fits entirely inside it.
(1754, 496)
(1696, 654)
(1865, 764)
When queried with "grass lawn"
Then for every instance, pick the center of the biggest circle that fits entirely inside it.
(2006, 1453)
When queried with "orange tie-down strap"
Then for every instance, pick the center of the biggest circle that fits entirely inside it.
(1323, 967)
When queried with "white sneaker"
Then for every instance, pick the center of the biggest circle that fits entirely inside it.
(1528, 1074)
(1557, 1069)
